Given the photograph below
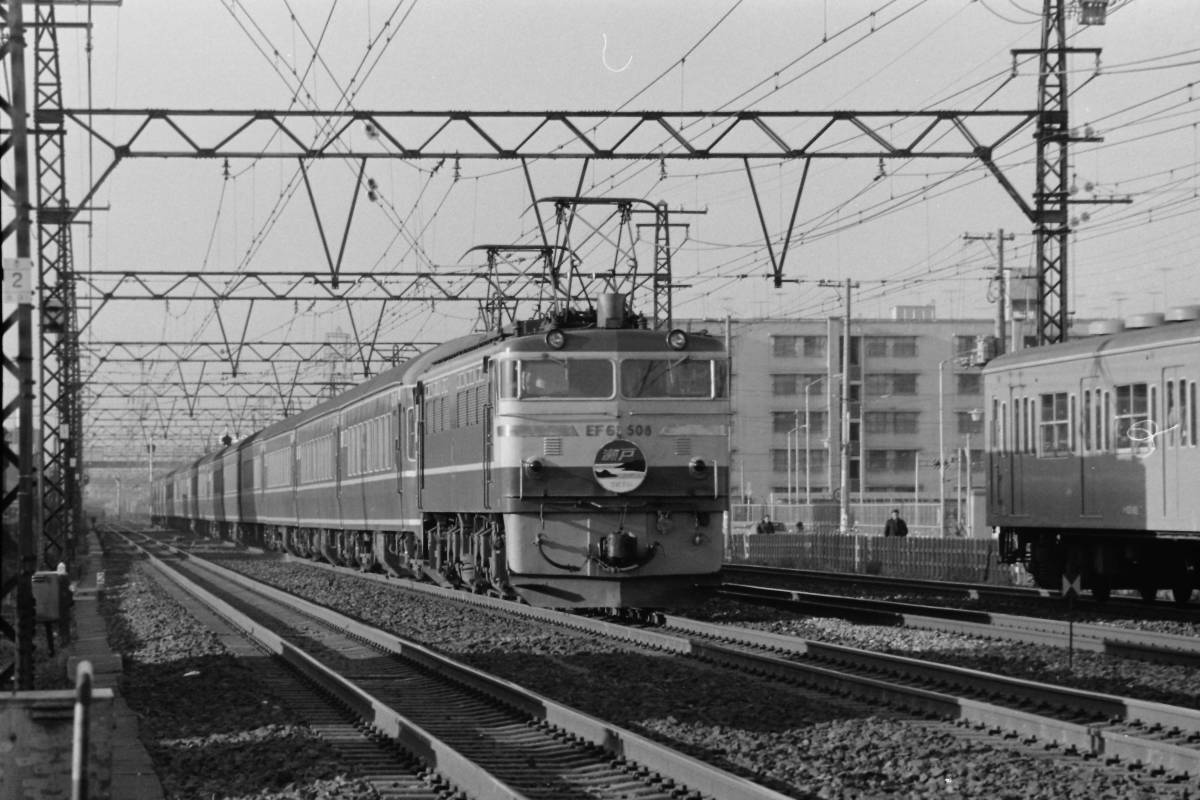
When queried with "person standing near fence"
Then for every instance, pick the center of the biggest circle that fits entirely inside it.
(895, 526)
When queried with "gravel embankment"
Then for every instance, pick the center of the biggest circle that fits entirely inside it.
(1160, 617)
(211, 727)
(1082, 669)
(800, 743)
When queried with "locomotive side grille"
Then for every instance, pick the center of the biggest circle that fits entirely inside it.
(552, 446)
(683, 446)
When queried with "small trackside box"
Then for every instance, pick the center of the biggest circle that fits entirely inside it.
(47, 595)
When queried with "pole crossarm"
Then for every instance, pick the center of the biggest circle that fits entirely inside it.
(235, 133)
(453, 284)
(113, 352)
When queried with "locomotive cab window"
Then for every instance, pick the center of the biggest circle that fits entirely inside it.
(559, 378)
(673, 377)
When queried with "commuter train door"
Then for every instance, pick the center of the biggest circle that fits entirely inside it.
(1021, 410)
(1169, 439)
(489, 443)
(418, 434)
(1091, 420)
(398, 445)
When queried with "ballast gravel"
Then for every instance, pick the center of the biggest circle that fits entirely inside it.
(800, 743)
(210, 727)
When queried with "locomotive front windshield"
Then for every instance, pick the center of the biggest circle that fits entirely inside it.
(672, 377)
(584, 378)
(572, 377)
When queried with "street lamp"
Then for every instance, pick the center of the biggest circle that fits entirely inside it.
(793, 458)
(807, 439)
(942, 438)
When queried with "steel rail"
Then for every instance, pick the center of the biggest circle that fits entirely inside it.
(1163, 648)
(1133, 730)
(619, 743)
(973, 591)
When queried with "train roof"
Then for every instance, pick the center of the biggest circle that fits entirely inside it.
(1095, 346)
(388, 377)
(597, 339)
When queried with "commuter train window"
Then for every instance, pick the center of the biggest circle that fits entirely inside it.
(566, 378)
(1170, 414)
(1086, 419)
(1054, 425)
(410, 429)
(673, 377)
(1191, 413)
(1132, 408)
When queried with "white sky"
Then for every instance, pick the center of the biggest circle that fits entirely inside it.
(535, 55)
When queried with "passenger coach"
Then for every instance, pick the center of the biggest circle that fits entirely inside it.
(1094, 458)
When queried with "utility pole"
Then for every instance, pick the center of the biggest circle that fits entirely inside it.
(844, 483)
(1002, 289)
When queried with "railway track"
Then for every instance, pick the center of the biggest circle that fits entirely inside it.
(1159, 737)
(742, 573)
(1163, 648)
(485, 737)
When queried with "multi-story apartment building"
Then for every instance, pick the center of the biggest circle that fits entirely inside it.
(915, 401)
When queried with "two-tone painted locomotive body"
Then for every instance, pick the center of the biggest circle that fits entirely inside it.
(573, 466)
(1094, 459)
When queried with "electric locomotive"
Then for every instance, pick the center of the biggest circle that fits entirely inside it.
(1094, 458)
(577, 461)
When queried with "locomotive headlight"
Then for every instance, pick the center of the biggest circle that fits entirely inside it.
(534, 467)
(556, 339)
(677, 339)
(698, 467)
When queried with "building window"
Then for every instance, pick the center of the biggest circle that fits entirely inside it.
(783, 421)
(891, 460)
(1054, 424)
(904, 347)
(784, 385)
(791, 384)
(969, 382)
(964, 345)
(785, 346)
(897, 383)
(893, 346)
(892, 421)
(814, 346)
(816, 422)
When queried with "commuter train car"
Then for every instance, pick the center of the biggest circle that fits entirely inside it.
(1094, 458)
(572, 465)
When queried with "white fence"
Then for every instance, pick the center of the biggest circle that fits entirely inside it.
(865, 518)
(929, 558)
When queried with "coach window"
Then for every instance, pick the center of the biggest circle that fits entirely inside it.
(1054, 425)
(1132, 407)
